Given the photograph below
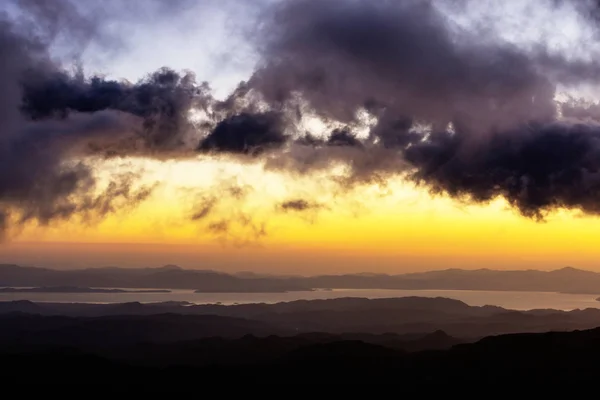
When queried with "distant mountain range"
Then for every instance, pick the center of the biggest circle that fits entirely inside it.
(167, 277)
(566, 280)
(73, 289)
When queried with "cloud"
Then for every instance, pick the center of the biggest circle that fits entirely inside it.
(223, 194)
(298, 205)
(204, 208)
(537, 168)
(246, 134)
(459, 110)
(220, 212)
(239, 230)
(162, 101)
(52, 120)
(341, 137)
(404, 56)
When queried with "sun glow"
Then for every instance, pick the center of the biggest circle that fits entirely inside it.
(394, 219)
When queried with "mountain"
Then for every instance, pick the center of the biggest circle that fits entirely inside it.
(168, 277)
(73, 289)
(29, 329)
(346, 316)
(566, 280)
(544, 360)
(410, 341)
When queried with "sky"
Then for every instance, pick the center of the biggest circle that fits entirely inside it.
(441, 134)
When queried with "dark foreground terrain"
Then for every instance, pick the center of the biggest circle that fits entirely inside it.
(557, 357)
(405, 315)
(340, 341)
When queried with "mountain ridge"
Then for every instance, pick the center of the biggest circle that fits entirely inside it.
(565, 280)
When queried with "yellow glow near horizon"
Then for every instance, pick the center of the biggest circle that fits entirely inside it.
(399, 219)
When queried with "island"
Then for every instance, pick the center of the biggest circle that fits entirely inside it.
(249, 290)
(75, 289)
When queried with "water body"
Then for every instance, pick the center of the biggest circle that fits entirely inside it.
(510, 300)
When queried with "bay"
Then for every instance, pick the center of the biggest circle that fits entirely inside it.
(506, 299)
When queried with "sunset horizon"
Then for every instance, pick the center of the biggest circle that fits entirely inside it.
(294, 192)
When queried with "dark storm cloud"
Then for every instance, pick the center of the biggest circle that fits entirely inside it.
(162, 101)
(403, 55)
(579, 109)
(536, 168)
(342, 137)
(310, 140)
(395, 132)
(246, 134)
(460, 112)
(41, 184)
(48, 116)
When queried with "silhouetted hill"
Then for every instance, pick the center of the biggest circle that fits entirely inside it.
(28, 329)
(168, 277)
(408, 315)
(567, 280)
(73, 289)
(185, 339)
(339, 352)
(543, 360)
(412, 341)
(25, 306)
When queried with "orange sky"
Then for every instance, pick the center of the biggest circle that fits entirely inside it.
(393, 229)
(396, 229)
